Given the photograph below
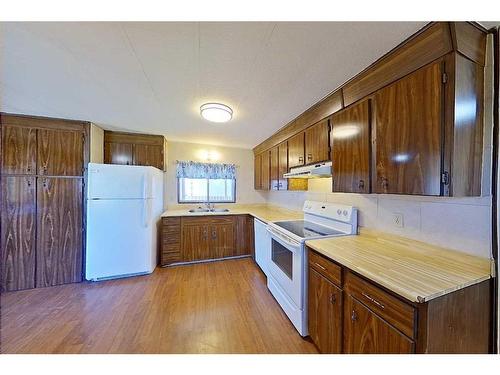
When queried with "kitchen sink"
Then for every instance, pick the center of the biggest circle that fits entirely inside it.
(219, 210)
(200, 209)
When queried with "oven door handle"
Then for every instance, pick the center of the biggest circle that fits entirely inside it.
(288, 242)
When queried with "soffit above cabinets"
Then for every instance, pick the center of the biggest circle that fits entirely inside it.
(153, 77)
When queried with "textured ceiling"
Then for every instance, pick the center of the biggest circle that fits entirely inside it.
(153, 77)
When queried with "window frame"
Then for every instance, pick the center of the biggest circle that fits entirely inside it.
(179, 201)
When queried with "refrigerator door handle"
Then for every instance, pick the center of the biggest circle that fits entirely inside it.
(146, 212)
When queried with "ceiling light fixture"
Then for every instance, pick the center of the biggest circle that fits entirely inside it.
(216, 112)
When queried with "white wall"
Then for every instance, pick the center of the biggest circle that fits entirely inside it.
(243, 159)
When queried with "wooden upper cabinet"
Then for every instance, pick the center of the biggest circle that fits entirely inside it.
(366, 333)
(59, 227)
(350, 139)
(19, 150)
(18, 230)
(317, 147)
(408, 134)
(151, 155)
(60, 153)
(274, 168)
(257, 172)
(134, 149)
(324, 313)
(265, 170)
(296, 150)
(282, 165)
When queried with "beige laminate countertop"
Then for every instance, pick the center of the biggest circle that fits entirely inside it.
(264, 213)
(412, 269)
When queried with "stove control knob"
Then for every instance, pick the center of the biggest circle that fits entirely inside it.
(345, 212)
(339, 211)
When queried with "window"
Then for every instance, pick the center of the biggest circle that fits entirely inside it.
(198, 190)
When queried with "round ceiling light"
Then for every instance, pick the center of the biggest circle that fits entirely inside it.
(216, 112)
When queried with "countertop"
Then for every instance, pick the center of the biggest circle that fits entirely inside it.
(412, 269)
(262, 212)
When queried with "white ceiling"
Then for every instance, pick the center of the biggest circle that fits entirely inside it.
(153, 77)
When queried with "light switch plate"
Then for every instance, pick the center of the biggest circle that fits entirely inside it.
(398, 220)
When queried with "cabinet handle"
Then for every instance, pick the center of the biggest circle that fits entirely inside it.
(29, 182)
(205, 235)
(44, 182)
(29, 169)
(333, 299)
(301, 159)
(214, 235)
(354, 316)
(371, 299)
(320, 266)
(309, 156)
(44, 168)
(361, 184)
(385, 183)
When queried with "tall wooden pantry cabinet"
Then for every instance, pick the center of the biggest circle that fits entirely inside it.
(42, 201)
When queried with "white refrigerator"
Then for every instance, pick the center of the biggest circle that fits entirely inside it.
(124, 205)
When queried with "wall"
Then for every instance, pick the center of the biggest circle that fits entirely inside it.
(96, 144)
(462, 224)
(243, 159)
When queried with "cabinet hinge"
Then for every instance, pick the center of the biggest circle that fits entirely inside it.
(444, 78)
(445, 178)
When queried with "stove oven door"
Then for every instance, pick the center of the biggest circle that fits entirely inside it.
(287, 266)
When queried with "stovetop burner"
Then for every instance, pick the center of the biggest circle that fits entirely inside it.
(306, 229)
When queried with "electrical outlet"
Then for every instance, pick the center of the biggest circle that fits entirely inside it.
(397, 220)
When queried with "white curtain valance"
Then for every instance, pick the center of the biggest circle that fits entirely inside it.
(194, 169)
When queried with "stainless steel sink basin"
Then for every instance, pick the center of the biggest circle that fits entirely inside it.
(219, 210)
(199, 209)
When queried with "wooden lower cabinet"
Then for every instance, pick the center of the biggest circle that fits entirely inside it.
(348, 313)
(324, 313)
(367, 333)
(188, 239)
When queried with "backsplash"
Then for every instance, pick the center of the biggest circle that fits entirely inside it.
(462, 224)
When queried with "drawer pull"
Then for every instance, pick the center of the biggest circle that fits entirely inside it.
(371, 299)
(333, 299)
(320, 266)
(354, 316)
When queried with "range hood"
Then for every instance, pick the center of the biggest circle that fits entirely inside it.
(318, 170)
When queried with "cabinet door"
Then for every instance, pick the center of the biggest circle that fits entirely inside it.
(366, 333)
(118, 153)
(316, 142)
(17, 239)
(274, 169)
(282, 165)
(170, 240)
(222, 242)
(195, 243)
(296, 150)
(148, 155)
(59, 231)
(257, 172)
(265, 170)
(350, 138)
(18, 150)
(324, 313)
(408, 134)
(60, 152)
(243, 234)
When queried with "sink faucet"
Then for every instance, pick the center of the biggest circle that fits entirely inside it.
(210, 206)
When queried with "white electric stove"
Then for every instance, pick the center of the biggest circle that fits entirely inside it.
(287, 276)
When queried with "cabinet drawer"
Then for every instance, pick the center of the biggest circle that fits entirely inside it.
(168, 221)
(396, 312)
(326, 267)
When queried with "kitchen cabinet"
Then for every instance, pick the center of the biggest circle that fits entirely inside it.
(317, 145)
(274, 168)
(368, 318)
(19, 150)
(282, 165)
(42, 192)
(134, 149)
(366, 333)
(187, 239)
(265, 177)
(296, 150)
(60, 152)
(351, 151)
(257, 172)
(408, 132)
(18, 233)
(324, 313)
(59, 228)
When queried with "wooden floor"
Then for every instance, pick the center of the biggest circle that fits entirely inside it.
(218, 307)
